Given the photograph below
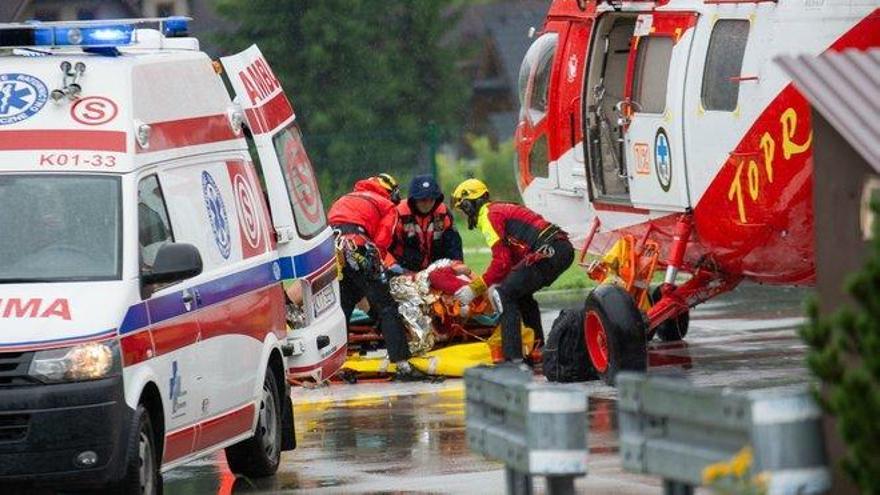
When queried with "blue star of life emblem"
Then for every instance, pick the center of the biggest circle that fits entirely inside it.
(21, 96)
(663, 160)
(217, 214)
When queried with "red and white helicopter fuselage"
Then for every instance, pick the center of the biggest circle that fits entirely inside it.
(670, 119)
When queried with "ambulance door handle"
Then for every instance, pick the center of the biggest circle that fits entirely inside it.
(188, 298)
(283, 235)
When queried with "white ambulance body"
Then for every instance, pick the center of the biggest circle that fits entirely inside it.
(144, 266)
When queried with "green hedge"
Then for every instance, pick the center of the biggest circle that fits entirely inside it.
(845, 354)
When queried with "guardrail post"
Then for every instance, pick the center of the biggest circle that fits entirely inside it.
(560, 485)
(535, 429)
(677, 488)
(517, 483)
(786, 436)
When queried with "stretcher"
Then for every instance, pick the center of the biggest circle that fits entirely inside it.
(462, 337)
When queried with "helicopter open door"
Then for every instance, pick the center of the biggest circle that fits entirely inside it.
(650, 113)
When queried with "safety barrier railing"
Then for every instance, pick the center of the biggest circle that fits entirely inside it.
(535, 429)
(684, 434)
(669, 428)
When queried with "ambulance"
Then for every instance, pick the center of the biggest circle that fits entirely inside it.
(159, 283)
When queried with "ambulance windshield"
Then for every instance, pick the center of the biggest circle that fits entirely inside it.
(59, 228)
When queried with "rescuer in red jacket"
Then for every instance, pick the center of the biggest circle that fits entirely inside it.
(364, 221)
(528, 253)
(425, 231)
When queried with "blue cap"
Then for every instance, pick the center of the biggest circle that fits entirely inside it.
(424, 187)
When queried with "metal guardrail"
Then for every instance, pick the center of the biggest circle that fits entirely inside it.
(670, 428)
(535, 429)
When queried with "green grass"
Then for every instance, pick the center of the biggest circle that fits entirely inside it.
(477, 256)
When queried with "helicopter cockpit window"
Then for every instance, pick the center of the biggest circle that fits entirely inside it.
(534, 76)
(539, 158)
(724, 61)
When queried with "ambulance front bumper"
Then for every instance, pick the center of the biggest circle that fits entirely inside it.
(71, 434)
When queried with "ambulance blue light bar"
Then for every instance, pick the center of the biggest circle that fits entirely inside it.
(102, 36)
(86, 34)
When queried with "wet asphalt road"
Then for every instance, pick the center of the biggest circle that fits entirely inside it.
(396, 438)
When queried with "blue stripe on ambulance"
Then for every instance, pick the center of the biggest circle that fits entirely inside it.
(227, 287)
(308, 262)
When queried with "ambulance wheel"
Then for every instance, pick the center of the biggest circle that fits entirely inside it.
(673, 329)
(142, 474)
(260, 455)
(614, 331)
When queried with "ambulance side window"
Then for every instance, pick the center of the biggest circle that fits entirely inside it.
(154, 228)
(302, 186)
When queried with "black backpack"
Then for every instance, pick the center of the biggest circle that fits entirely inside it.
(565, 353)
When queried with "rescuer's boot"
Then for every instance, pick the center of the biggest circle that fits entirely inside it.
(407, 373)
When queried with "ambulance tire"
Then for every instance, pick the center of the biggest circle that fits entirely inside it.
(142, 474)
(673, 329)
(614, 332)
(260, 455)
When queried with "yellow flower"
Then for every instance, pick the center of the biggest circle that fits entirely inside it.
(736, 467)
(741, 463)
(713, 472)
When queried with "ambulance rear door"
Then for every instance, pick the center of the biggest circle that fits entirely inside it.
(304, 240)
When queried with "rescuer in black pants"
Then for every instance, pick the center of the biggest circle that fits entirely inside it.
(517, 291)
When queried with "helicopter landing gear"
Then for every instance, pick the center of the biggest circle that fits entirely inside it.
(623, 314)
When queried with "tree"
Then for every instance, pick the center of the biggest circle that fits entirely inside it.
(845, 354)
(492, 165)
(365, 78)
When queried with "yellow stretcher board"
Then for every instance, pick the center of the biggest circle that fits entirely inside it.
(449, 361)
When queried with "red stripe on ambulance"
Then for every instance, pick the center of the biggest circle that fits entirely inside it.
(188, 132)
(202, 435)
(273, 113)
(255, 315)
(268, 105)
(222, 428)
(45, 139)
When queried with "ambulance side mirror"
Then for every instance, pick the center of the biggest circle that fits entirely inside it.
(175, 261)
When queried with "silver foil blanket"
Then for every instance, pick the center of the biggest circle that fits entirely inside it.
(414, 299)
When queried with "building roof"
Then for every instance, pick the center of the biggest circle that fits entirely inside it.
(509, 29)
(845, 88)
(504, 25)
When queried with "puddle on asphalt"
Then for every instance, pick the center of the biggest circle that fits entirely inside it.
(372, 437)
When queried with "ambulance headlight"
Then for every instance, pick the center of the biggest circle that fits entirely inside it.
(82, 362)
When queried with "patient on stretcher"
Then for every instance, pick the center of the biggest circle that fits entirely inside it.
(432, 314)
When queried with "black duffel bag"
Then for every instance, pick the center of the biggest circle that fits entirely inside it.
(565, 352)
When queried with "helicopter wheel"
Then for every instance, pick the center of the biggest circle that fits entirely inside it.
(614, 330)
(673, 329)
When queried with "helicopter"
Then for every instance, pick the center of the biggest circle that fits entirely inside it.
(664, 138)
